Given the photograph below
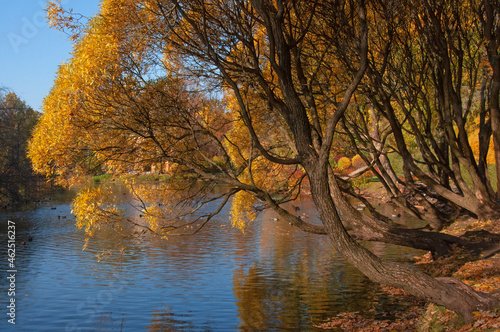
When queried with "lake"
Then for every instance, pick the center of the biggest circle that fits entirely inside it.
(271, 277)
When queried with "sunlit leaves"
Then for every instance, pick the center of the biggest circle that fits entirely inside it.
(122, 105)
(95, 208)
(106, 110)
(243, 154)
(63, 20)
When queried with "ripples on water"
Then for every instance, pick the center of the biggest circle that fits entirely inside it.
(272, 277)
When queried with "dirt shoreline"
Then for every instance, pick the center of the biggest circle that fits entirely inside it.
(483, 275)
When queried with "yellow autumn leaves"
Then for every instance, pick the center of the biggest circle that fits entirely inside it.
(95, 207)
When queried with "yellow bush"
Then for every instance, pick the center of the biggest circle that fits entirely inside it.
(218, 160)
(357, 161)
(344, 163)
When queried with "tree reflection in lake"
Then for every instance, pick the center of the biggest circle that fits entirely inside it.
(298, 280)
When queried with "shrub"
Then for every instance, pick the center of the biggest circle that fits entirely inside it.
(219, 161)
(101, 178)
(344, 163)
(358, 162)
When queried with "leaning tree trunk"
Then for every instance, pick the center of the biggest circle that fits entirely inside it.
(385, 272)
(371, 228)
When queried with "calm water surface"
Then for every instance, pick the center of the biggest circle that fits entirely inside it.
(272, 277)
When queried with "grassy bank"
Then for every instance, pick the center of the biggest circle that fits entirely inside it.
(397, 163)
(105, 178)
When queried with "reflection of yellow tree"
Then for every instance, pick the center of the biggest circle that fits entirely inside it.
(251, 301)
(291, 299)
(292, 285)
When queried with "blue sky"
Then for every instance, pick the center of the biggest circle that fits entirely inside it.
(30, 51)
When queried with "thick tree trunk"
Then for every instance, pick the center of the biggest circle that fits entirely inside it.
(385, 272)
(368, 228)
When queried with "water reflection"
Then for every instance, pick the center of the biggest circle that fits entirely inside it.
(272, 277)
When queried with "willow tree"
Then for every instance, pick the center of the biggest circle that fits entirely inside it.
(133, 95)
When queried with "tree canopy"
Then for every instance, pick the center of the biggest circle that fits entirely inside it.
(17, 121)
